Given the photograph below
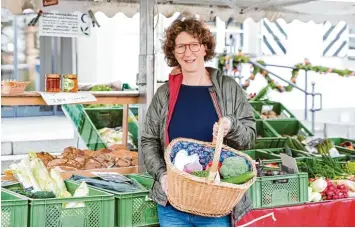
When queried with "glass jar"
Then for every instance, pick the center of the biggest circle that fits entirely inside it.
(53, 83)
(70, 83)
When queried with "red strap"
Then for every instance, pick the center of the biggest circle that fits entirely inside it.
(174, 87)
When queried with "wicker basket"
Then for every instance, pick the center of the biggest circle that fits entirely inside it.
(204, 196)
(13, 87)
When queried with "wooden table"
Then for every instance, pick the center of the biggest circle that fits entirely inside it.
(111, 97)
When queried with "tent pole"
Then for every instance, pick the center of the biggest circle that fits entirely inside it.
(145, 80)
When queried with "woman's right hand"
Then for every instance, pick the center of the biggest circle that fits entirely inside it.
(164, 183)
(176, 70)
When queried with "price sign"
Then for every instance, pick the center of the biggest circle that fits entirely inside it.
(67, 98)
(288, 164)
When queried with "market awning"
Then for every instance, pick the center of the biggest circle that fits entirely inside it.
(318, 11)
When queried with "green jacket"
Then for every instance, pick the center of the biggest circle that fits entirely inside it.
(230, 101)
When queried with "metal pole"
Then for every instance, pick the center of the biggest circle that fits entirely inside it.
(306, 96)
(313, 94)
(145, 80)
(16, 74)
(313, 110)
(274, 65)
(240, 73)
(264, 68)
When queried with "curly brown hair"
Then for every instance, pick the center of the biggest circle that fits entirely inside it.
(193, 27)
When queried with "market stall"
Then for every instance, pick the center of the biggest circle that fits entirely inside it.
(275, 187)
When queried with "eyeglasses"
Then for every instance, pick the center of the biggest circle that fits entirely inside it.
(181, 48)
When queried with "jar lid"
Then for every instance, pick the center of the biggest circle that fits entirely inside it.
(72, 76)
(53, 75)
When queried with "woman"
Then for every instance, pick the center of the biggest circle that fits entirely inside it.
(189, 106)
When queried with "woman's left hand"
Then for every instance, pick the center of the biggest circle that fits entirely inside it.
(226, 127)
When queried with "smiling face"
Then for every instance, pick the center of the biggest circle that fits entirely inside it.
(192, 59)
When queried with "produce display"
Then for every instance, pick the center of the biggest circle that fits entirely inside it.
(326, 168)
(38, 182)
(270, 115)
(117, 186)
(325, 189)
(13, 86)
(313, 146)
(233, 170)
(347, 145)
(76, 159)
(114, 136)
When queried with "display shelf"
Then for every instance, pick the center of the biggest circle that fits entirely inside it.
(108, 97)
(34, 98)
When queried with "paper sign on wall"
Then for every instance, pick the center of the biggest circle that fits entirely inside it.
(67, 98)
(64, 24)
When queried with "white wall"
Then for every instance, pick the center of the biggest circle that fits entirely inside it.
(305, 41)
(111, 53)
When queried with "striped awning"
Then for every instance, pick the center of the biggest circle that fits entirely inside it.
(317, 11)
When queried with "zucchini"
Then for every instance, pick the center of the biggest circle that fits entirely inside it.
(43, 195)
(203, 173)
(289, 143)
(298, 145)
(34, 195)
(241, 179)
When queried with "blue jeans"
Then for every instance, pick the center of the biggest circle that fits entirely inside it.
(171, 217)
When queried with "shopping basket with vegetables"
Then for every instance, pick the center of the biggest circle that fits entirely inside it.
(204, 195)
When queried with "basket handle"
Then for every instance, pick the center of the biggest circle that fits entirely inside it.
(218, 142)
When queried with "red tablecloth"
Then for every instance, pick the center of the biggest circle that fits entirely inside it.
(332, 213)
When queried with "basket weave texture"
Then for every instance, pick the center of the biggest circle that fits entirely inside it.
(13, 87)
(204, 196)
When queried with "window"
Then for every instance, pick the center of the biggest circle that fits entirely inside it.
(273, 37)
(20, 50)
(335, 39)
(351, 51)
(234, 37)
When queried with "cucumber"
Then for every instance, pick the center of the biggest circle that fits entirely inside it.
(241, 179)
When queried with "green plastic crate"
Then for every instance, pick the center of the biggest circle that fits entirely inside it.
(277, 107)
(144, 179)
(295, 153)
(258, 154)
(282, 190)
(263, 130)
(14, 209)
(84, 126)
(98, 210)
(135, 209)
(112, 118)
(289, 128)
(274, 153)
(338, 141)
(265, 143)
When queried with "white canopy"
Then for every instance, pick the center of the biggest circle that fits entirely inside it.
(318, 11)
